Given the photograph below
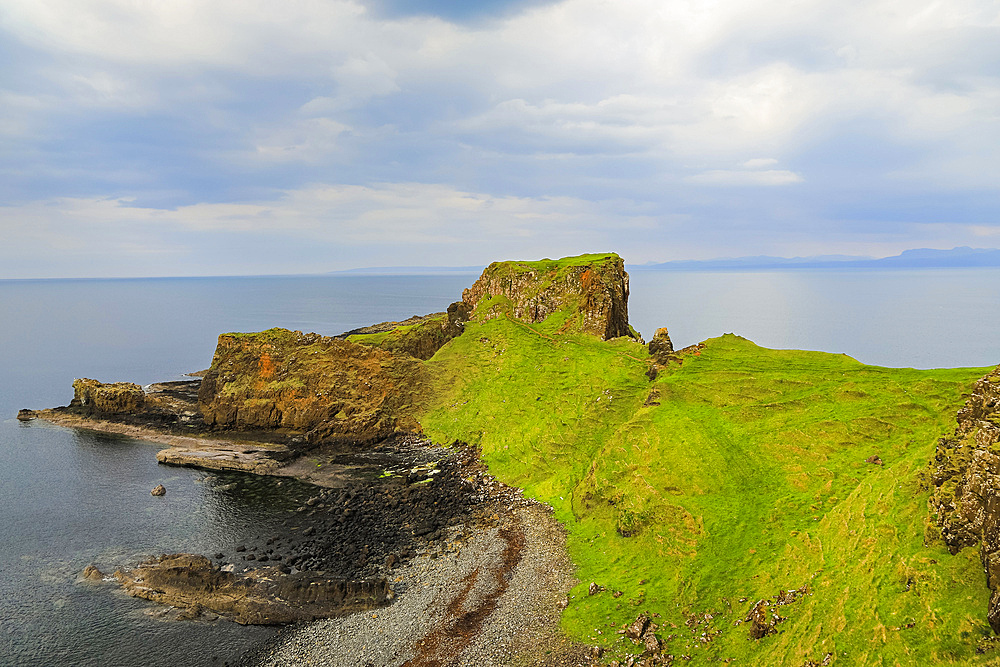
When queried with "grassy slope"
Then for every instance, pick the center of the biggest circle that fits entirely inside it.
(747, 478)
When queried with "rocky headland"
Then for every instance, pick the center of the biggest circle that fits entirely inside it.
(780, 463)
(277, 402)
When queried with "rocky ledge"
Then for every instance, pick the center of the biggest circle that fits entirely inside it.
(264, 596)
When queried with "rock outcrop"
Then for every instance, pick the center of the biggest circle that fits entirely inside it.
(261, 597)
(419, 336)
(591, 291)
(298, 389)
(966, 478)
(328, 388)
(661, 348)
(97, 398)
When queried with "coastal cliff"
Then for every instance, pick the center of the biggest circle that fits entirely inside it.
(966, 478)
(589, 293)
(767, 506)
(327, 389)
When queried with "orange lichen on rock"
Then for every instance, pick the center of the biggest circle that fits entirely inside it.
(327, 388)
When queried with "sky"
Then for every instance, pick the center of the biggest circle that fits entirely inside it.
(228, 137)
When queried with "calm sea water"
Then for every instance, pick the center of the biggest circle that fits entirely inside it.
(68, 499)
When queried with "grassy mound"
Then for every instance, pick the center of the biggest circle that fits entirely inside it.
(731, 477)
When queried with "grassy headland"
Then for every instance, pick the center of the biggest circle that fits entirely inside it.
(734, 475)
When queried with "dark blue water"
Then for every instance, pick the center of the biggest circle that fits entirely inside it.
(68, 499)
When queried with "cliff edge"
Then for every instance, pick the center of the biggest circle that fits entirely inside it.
(590, 293)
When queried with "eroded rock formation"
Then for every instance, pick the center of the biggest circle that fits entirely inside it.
(661, 348)
(592, 288)
(329, 388)
(966, 478)
(98, 398)
(299, 389)
(261, 597)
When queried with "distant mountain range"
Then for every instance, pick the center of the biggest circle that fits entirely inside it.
(408, 270)
(920, 258)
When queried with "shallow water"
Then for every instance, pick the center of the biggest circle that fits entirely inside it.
(71, 498)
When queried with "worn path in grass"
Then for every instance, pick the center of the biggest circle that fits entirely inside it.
(730, 477)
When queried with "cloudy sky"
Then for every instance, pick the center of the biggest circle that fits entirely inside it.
(184, 137)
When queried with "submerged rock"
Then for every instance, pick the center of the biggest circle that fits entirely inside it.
(261, 597)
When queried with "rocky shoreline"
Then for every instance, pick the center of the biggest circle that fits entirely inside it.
(491, 598)
(469, 567)
(479, 574)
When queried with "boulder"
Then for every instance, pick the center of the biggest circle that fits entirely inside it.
(91, 573)
(637, 628)
(762, 620)
(25, 415)
(158, 490)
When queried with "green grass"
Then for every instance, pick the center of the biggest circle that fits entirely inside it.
(734, 475)
(546, 265)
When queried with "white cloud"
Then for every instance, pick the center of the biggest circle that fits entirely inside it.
(758, 163)
(736, 177)
(635, 100)
(307, 140)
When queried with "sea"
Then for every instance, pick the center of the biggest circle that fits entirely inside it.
(73, 498)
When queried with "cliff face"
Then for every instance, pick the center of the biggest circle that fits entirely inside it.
(326, 387)
(591, 290)
(966, 477)
(100, 399)
(361, 386)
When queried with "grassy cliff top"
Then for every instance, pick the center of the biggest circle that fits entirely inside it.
(546, 265)
(729, 478)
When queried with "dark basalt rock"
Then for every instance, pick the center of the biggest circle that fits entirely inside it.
(261, 597)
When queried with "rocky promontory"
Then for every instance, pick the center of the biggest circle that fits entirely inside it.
(591, 291)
